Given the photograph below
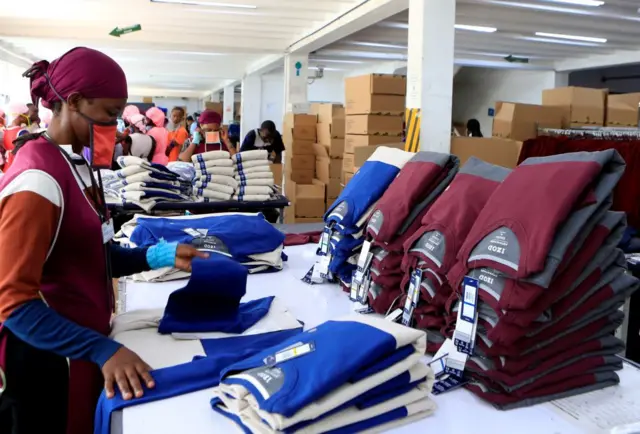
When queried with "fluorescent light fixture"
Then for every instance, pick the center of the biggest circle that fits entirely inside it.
(205, 3)
(376, 45)
(315, 68)
(481, 29)
(559, 41)
(592, 3)
(572, 37)
(353, 62)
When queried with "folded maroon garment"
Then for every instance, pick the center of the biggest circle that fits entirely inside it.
(385, 261)
(609, 346)
(301, 239)
(575, 385)
(419, 182)
(523, 235)
(448, 221)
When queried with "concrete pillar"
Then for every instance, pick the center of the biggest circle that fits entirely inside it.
(251, 103)
(228, 105)
(296, 68)
(430, 72)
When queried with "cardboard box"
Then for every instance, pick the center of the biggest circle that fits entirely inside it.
(374, 124)
(582, 106)
(334, 187)
(276, 169)
(347, 177)
(215, 106)
(325, 132)
(328, 113)
(501, 152)
(300, 147)
(622, 110)
(290, 213)
(321, 151)
(301, 162)
(147, 99)
(315, 189)
(328, 168)
(348, 163)
(351, 141)
(362, 153)
(377, 84)
(292, 119)
(358, 103)
(299, 220)
(310, 206)
(302, 176)
(521, 121)
(300, 132)
(332, 200)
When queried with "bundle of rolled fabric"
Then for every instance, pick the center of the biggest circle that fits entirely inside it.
(143, 183)
(345, 220)
(550, 281)
(396, 217)
(213, 179)
(381, 386)
(254, 176)
(247, 238)
(431, 251)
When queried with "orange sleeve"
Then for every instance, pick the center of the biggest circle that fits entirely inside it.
(30, 211)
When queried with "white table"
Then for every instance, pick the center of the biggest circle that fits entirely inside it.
(458, 411)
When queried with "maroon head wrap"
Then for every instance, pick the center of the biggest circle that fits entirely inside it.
(209, 117)
(88, 72)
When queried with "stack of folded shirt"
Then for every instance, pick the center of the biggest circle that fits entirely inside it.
(247, 238)
(186, 172)
(214, 179)
(345, 220)
(254, 176)
(397, 216)
(145, 184)
(432, 249)
(550, 281)
(380, 386)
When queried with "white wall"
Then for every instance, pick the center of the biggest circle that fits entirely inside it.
(476, 90)
(13, 87)
(193, 104)
(330, 88)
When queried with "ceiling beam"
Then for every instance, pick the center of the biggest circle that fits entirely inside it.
(599, 61)
(362, 16)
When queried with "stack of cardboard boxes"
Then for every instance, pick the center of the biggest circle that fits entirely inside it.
(330, 147)
(306, 194)
(375, 106)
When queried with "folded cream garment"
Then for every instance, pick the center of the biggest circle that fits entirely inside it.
(252, 197)
(211, 194)
(217, 179)
(220, 188)
(251, 155)
(253, 163)
(212, 155)
(215, 170)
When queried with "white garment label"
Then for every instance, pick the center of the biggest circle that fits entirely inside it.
(108, 232)
(353, 290)
(394, 316)
(364, 261)
(413, 295)
(464, 335)
(439, 362)
(290, 353)
(363, 289)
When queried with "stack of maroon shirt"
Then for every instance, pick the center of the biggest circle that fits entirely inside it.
(551, 281)
(397, 216)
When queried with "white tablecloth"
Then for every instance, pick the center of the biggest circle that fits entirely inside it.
(458, 411)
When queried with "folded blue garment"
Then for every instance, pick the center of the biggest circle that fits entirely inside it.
(200, 374)
(241, 235)
(210, 302)
(362, 349)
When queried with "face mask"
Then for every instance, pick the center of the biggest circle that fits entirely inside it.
(102, 142)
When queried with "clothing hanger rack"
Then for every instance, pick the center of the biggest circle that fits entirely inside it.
(593, 133)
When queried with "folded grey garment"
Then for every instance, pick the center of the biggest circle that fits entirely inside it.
(601, 380)
(609, 357)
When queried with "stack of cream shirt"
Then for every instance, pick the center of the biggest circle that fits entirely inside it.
(254, 176)
(371, 379)
(214, 179)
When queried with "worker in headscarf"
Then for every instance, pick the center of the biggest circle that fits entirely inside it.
(139, 145)
(208, 137)
(57, 259)
(156, 119)
(178, 134)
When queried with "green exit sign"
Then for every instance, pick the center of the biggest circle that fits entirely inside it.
(119, 31)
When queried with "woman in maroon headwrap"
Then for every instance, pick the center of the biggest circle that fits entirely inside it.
(57, 259)
(209, 137)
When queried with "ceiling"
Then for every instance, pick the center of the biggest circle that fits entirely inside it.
(182, 50)
(516, 21)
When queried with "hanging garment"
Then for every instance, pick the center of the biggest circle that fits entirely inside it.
(512, 236)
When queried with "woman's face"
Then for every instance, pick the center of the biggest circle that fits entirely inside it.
(104, 110)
